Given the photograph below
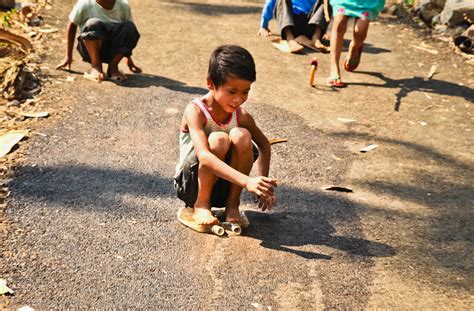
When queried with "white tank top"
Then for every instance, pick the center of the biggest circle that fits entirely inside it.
(211, 125)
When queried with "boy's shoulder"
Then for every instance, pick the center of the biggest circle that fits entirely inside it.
(243, 113)
(120, 3)
(123, 3)
(85, 3)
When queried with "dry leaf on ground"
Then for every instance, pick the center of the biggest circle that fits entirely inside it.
(34, 114)
(4, 289)
(10, 139)
(368, 148)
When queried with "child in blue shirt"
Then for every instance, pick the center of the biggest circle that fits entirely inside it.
(296, 19)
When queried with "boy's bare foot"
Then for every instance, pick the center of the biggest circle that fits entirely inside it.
(233, 215)
(94, 74)
(115, 74)
(203, 216)
(294, 46)
(131, 65)
(321, 47)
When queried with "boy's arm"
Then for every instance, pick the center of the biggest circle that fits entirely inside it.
(261, 186)
(246, 121)
(131, 65)
(260, 139)
(70, 37)
(267, 15)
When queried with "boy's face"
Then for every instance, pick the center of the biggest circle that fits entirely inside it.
(232, 94)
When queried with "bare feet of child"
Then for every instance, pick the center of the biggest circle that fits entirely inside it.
(321, 47)
(233, 215)
(94, 74)
(131, 65)
(203, 216)
(294, 46)
(115, 74)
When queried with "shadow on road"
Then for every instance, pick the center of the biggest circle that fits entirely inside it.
(442, 185)
(144, 80)
(368, 48)
(308, 222)
(216, 10)
(87, 188)
(418, 84)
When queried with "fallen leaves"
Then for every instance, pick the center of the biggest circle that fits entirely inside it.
(368, 148)
(345, 120)
(425, 48)
(9, 140)
(278, 140)
(431, 73)
(4, 289)
(34, 114)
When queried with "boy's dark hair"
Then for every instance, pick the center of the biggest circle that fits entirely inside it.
(231, 61)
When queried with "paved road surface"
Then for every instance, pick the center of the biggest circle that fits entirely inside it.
(93, 210)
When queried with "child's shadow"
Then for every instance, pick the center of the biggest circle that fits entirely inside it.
(144, 80)
(409, 85)
(307, 223)
(368, 48)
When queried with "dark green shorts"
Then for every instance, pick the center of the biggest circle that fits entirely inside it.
(186, 182)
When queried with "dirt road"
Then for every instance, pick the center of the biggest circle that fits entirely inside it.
(92, 212)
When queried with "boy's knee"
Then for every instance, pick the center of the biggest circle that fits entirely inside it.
(94, 24)
(219, 142)
(130, 27)
(240, 137)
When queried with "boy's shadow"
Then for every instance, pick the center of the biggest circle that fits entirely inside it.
(308, 223)
(418, 84)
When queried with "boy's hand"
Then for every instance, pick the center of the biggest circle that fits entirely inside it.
(264, 32)
(266, 204)
(264, 188)
(131, 65)
(65, 64)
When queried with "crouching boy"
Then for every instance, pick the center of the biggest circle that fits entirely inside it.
(107, 35)
(217, 142)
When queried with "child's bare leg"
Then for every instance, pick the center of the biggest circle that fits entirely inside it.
(316, 39)
(219, 145)
(360, 34)
(337, 39)
(242, 161)
(93, 47)
(113, 69)
(294, 46)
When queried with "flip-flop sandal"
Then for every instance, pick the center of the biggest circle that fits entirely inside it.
(91, 77)
(335, 82)
(351, 64)
(306, 42)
